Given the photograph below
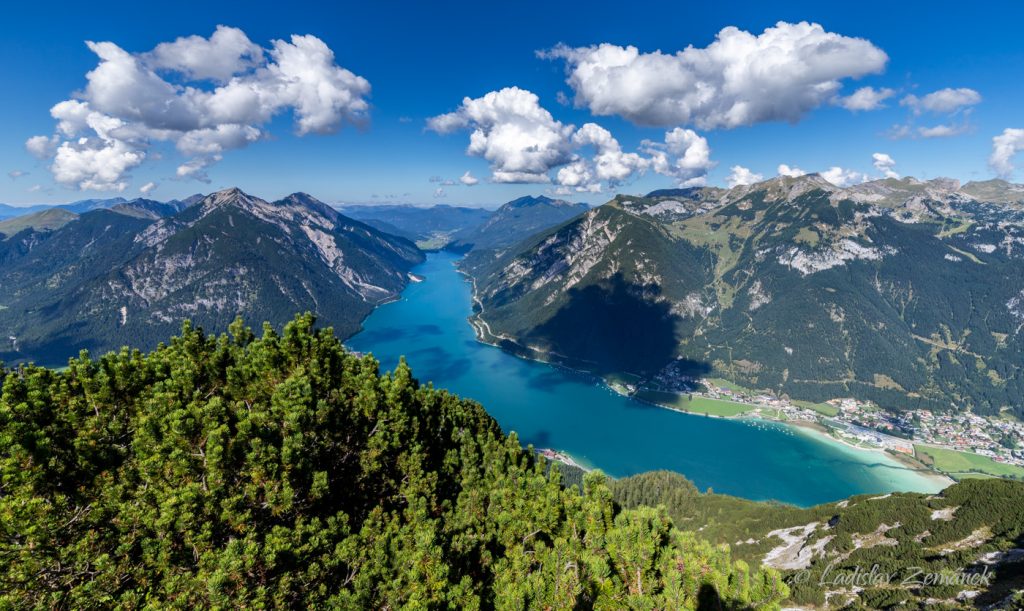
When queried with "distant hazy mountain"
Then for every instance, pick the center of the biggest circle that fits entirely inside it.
(516, 221)
(44, 220)
(113, 277)
(430, 227)
(8, 211)
(85, 205)
(152, 209)
(49, 218)
(909, 293)
(78, 207)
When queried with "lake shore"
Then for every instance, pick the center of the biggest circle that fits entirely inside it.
(484, 335)
(570, 410)
(905, 460)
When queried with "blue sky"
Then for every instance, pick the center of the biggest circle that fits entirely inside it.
(421, 60)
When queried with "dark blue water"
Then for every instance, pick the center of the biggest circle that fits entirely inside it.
(551, 407)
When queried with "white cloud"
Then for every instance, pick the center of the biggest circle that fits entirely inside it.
(942, 131)
(16, 174)
(93, 163)
(843, 178)
(440, 192)
(866, 98)
(468, 179)
(1004, 147)
(216, 140)
(739, 79)
(684, 155)
(195, 169)
(525, 143)
(610, 163)
(942, 101)
(742, 176)
(792, 172)
(884, 164)
(511, 130)
(575, 175)
(949, 102)
(899, 132)
(148, 188)
(132, 100)
(42, 147)
(219, 57)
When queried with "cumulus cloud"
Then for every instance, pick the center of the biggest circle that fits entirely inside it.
(96, 164)
(942, 101)
(525, 143)
(1004, 147)
(884, 164)
(219, 57)
(511, 130)
(42, 147)
(865, 98)
(841, 177)
(16, 174)
(468, 179)
(739, 79)
(205, 95)
(684, 155)
(742, 176)
(610, 162)
(792, 172)
(440, 192)
(148, 188)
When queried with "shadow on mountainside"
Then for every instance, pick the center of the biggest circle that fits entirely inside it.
(614, 327)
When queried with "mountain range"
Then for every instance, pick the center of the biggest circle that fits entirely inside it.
(85, 205)
(516, 221)
(430, 227)
(903, 292)
(462, 229)
(100, 274)
(129, 275)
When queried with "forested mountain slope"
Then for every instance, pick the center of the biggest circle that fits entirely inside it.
(515, 221)
(112, 277)
(906, 293)
(282, 472)
(972, 534)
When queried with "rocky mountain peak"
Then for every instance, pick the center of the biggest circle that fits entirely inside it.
(538, 200)
(229, 197)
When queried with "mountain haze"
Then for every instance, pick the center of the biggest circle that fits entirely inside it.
(431, 226)
(516, 221)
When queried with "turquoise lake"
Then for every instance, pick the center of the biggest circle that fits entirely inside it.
(551, 407)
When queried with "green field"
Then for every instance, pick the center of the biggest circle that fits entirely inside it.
(726, 384)
(960, 465)
(699, 405)
(433, 243)
(822, 408)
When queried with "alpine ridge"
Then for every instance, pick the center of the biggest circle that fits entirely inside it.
(902, 292)
(131, 274)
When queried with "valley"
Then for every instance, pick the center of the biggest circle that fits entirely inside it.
(844, 307)
(520, 306)
(573, 412)
(684, 250)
